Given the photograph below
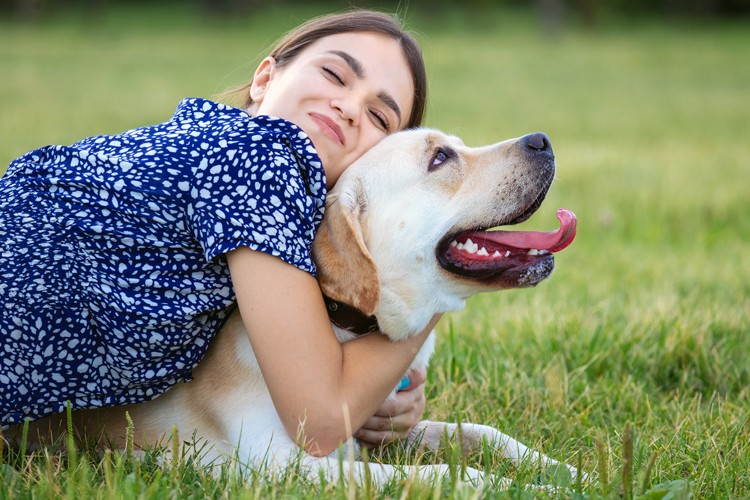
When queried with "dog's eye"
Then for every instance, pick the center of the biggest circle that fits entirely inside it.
(440, 157)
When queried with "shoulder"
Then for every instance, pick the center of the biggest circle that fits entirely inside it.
(276, 137)
(197, 108)
(281, 130)
(263, 147)
(237, 128)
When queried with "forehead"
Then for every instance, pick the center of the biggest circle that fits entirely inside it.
(382, 58)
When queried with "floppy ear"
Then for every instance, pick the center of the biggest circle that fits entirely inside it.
(346, 271)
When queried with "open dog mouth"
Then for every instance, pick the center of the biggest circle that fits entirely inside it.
(492, 255)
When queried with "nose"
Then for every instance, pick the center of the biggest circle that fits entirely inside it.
(347, 109)
(537, 142)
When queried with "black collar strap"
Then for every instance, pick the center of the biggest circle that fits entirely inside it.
(349, 318)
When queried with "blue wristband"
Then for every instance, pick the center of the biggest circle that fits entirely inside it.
(404, 383)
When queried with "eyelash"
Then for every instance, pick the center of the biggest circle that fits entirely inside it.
(333, 75)
(377, 116)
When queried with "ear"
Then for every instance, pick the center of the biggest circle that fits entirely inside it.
(261, 78)
(346, 271)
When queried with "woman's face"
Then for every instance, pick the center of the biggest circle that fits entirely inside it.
(346, 91)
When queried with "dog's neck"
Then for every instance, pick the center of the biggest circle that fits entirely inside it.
(349, 318)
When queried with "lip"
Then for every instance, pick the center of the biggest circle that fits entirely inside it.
(329, 128)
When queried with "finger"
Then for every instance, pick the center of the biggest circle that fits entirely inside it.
(408, 401)
(401, 402)
(417, 377)
(399, 423)
(379, 424)
(373, 439)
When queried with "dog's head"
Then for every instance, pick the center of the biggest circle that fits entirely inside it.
(405, 232)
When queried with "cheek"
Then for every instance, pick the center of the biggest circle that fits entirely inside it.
(366, 142)
(369, 139)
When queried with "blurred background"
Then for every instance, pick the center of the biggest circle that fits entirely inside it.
(647, 103)
(589, 10)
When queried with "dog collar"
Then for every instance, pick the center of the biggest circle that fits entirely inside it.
(350, 318)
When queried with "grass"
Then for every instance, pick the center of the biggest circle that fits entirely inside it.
(632, 360)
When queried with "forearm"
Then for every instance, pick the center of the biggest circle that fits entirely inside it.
(327, 388)
(370, 369)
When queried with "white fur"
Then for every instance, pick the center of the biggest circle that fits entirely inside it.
(404, 210)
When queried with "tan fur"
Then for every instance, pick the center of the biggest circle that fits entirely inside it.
(375, 250)
(347, 272)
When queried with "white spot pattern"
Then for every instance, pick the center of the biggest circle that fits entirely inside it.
(112, 271)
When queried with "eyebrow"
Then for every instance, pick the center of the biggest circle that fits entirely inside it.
(359, 72)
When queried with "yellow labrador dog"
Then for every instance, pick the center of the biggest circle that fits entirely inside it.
(404, 237)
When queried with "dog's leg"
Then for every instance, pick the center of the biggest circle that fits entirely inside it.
(430, 435)
(379, 475)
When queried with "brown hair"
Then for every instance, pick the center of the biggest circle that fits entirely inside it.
(295, 41)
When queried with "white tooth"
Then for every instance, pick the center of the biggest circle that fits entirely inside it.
(497, 255)
(460, 246)
(454, 243)
(483, 252)
(533, 251)
(507, 253)
(470, 246)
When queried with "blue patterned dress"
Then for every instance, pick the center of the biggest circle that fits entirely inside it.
(113, 278)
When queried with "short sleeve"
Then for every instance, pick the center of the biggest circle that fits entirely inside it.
(255, 190)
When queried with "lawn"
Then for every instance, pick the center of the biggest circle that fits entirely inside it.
(634, 356)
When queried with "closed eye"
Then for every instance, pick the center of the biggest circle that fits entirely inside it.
(381, 120)
(333, 75)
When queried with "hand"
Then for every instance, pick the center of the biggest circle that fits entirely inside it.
(396, 416)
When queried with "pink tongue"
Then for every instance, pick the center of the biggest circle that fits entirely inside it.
(552, 241)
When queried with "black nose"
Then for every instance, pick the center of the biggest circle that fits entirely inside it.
(537, 141)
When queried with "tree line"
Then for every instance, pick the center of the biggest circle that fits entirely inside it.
(589, 11)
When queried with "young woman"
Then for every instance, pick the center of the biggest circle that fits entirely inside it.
(121, 256)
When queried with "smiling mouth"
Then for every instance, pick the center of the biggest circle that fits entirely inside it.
(329, 128)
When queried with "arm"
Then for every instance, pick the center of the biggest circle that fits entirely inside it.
(397, 415)
(312, 378)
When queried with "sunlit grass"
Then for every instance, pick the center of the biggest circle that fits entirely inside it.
(645, 324)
